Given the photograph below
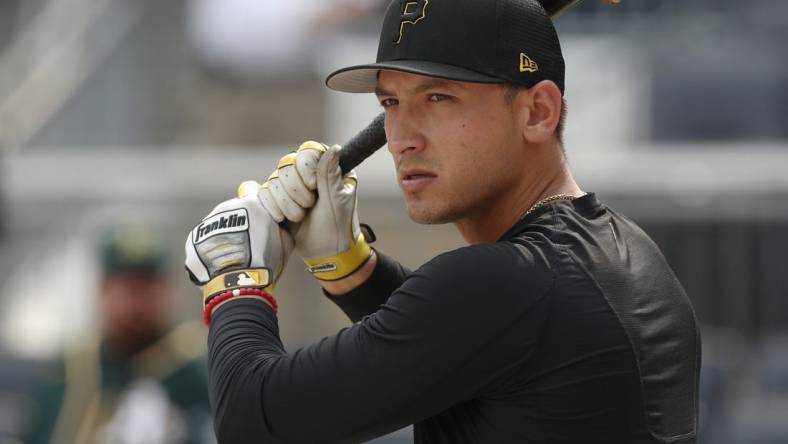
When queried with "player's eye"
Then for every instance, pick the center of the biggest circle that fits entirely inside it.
(437, 97)
(388, 102)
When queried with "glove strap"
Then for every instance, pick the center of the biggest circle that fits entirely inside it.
(247, 278)
(342, 265)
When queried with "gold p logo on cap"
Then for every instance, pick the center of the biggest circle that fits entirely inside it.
(412, 13)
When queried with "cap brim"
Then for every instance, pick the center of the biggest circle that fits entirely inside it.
(364, 78)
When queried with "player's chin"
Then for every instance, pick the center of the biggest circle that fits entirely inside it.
(423, 211)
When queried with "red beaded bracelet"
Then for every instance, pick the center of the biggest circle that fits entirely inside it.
(221, 297)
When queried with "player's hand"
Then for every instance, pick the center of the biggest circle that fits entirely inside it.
(238, 245)
(292, 188)
(328, 238)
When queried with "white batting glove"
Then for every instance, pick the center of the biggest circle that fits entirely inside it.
(291, 189)
(328, 238)
(238, 245)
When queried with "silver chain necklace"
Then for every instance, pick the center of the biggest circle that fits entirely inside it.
(547, 200)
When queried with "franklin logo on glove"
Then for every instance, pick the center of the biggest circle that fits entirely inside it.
(322, 268)
(226, 222)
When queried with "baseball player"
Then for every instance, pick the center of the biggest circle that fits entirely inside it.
(139, 379)
(559, 322)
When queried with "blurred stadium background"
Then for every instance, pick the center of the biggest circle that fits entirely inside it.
(156, 110)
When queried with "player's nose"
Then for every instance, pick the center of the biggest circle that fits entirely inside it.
(403, 133)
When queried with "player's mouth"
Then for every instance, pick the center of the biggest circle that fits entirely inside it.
(415, 179)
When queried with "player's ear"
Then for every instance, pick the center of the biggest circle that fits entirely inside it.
(544, 112)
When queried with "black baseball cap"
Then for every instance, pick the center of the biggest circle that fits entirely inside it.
(484, 41)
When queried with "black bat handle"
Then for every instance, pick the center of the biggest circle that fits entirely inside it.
(363, 144)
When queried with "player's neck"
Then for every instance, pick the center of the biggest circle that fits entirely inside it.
(543, 180)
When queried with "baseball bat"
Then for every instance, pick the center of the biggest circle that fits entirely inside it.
(363, 144)
(371, 138)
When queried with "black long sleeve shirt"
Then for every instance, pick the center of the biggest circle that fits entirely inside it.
(570, 329)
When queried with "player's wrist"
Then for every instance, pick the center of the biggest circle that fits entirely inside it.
(237, 284)
(237, 298)
(221, 299)
(349, 283)
(237, 279)
(340, 265)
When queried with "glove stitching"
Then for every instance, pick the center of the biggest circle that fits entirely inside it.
(270, 205)
(301, 179)
(337, 229)
(282, 204)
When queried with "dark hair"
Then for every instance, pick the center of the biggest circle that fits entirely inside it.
(511, 90)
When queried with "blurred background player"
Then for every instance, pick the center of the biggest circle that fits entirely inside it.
(140, 380)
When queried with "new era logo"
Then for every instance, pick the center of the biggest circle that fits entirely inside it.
(221, 223)
(526, 64)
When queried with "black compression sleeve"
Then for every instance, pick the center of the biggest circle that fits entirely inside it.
(243, 339)
(435, 342)
(369, 296)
